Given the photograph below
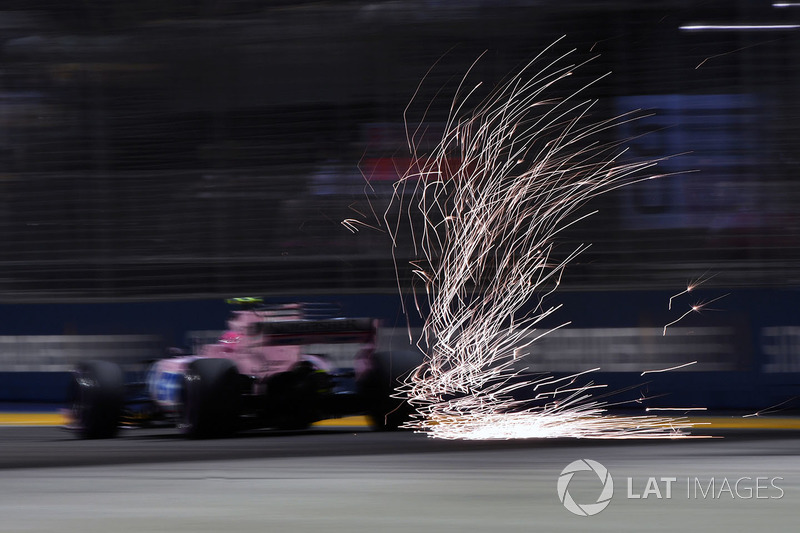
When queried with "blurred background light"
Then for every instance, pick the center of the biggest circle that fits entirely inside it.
(739, 27)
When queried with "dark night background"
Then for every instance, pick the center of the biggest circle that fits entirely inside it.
(174, 149)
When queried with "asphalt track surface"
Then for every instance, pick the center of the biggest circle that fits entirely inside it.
(352, 479)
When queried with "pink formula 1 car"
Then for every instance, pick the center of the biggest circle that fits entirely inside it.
(273, 367)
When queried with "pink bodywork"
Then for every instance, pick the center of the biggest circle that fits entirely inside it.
(260, 351)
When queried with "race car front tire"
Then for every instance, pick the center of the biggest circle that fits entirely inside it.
(211, 399)
(98, 397)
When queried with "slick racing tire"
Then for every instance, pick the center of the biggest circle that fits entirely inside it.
(379, 385)
(98, 397)
(211, 396)
(295, 398)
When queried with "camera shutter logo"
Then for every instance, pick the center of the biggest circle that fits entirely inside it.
(588, 509)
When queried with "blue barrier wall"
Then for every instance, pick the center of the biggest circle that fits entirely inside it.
(34, 387)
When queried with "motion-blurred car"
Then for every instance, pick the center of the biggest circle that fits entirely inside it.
(275, 366)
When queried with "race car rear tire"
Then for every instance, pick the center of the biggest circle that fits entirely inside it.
(211, 399)
(98, 399)
(294, 398)
(378, 388)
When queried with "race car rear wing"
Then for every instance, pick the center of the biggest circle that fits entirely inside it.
(329, 331)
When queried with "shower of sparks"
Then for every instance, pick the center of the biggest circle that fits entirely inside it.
(696, 308)
(482, 211)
